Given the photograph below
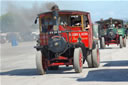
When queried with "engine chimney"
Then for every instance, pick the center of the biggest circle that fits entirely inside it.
(55, 17)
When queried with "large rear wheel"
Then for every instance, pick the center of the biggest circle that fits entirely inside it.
(96, 56)
(124, 41)
(102, 43)
(89, 61)
(39, 63)
(78, 60)
(121, 42)
(93, 59)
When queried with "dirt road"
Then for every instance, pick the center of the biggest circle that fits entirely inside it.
(18, 68)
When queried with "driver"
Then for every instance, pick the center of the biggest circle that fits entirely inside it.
(77, 23)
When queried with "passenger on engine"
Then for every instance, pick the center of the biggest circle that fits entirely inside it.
(75, 20)
(116, 25)
(120, 25)
(87, 25)
(75, 23)
(78, 23)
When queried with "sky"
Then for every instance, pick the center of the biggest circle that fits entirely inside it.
(97, 8)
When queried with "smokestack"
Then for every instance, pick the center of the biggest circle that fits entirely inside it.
(110, 20)
(55, 10)
(101, 20)
(55, 7)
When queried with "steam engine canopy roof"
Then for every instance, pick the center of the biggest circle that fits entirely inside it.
(66, 12)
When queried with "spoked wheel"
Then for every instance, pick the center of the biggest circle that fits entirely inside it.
(102, 43)
(124, 42)
(93, 59)
(121, 42)
(78, 60)
(39, 63)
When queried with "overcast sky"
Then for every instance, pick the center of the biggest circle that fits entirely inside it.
(97, 8)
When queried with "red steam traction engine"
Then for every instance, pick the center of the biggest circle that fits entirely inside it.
(66, 38)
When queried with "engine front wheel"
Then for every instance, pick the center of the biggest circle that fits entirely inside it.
(78, 60)
(39, 63)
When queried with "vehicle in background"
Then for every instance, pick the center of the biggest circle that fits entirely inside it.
(126, 26)
(112, 31)
(3, 38)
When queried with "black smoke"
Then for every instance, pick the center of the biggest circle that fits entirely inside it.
(19, 20)
(22, 18)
